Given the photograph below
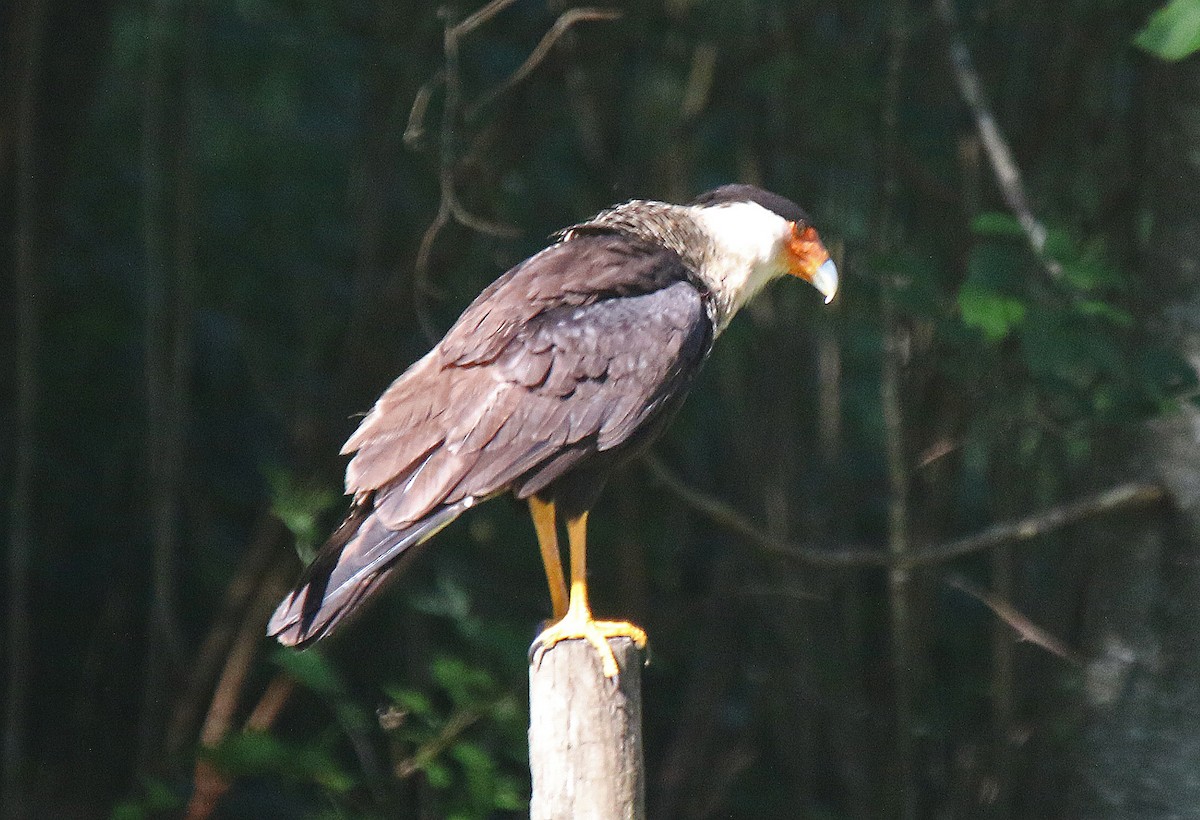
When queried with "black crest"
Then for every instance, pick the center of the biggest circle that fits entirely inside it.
(728, 194)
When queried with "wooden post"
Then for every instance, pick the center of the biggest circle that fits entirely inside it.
(585, 734)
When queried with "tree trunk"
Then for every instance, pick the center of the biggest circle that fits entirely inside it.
(1140, 749)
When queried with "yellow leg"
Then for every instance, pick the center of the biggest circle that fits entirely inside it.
(578, 623)
(547, 535)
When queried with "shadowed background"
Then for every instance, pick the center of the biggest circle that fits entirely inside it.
(228, 225)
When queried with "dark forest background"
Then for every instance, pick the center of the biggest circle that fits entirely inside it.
(933, 551)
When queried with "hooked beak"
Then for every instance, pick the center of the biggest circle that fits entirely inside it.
(807, 259)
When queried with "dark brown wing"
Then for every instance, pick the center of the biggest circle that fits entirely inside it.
(566, 356)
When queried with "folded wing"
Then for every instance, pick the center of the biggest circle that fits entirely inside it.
(566, 356)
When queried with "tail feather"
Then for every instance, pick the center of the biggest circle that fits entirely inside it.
(354, 564)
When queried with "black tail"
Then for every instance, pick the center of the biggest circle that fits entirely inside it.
(351, 566)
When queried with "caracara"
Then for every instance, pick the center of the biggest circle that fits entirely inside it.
(557, 373)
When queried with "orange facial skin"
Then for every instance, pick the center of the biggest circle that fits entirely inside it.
(805, 252)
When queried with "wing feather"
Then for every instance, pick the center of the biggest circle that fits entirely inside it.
(566, 355)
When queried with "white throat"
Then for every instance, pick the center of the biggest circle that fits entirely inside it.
(747, 246)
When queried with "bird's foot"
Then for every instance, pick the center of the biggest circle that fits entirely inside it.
(580, 626)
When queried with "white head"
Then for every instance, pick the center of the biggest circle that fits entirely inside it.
(757, 237)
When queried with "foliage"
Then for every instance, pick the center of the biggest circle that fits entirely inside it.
(301, 509)
(1173, 32)
(298, 194)
(462, 736)
(1079, 346)
(464, 772)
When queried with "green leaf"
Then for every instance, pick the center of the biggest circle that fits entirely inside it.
(508, 794)
(157, 798)
(413, 702)
(1103, 310)
(996, 223)
(993, 313)
(1172, 32)
(466, 685)
(438, 774)
(478, 769)
(1091, 274)
(1060, 244)
(258, 753)
(312, 670)
(299, 508)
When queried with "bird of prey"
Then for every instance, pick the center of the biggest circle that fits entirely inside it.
(557, 373)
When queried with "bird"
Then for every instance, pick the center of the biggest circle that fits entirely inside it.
(561, 370)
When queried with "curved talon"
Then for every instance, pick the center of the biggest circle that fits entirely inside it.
(597, 633)
(577, 623)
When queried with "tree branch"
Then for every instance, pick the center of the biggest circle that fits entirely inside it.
(449, 206)
(1008, 176)
(1131, 494)
(209, 784)
(1020, 624)
(539, 53)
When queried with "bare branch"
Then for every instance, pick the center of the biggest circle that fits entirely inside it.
(206, 663)
(479, 17)
(477, 223)
(540, 52)
(714, 508)
(414, 132)
(428, 751)
(421, 287)
(1025, 628)
(209, 782)
(1008, 176)
(448, 205)
(450, 208)
(1132, 494)
(273, 699)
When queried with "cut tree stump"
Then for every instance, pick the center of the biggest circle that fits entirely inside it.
(585, 734)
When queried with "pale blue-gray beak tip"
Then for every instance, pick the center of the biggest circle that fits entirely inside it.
(826, 280)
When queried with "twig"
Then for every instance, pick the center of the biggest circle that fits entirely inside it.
(428, 751)
(1132, 494)
(270, 704)
(1008, 176)
(479, 17)
(209, 782)
(540, 51)
(698, 88)
(1025, 628)
(414, 132)
(449, 206)
(716, 509)
(28, 43)
(421, 287)
(246, 585)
